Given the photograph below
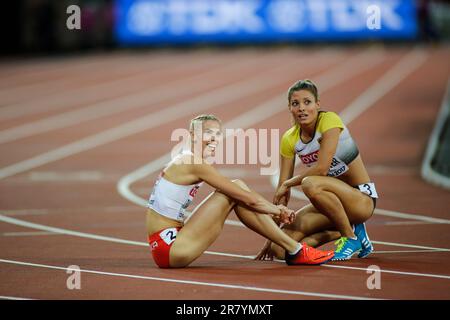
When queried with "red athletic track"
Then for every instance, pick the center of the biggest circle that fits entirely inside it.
(392, 136)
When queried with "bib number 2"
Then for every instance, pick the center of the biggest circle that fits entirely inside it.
(169, 235)
(369, 189)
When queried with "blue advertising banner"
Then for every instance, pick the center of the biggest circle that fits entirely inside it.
(191, 21)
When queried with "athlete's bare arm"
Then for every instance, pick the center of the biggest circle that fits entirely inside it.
(327, 149)
(251, 199)
(286, 172)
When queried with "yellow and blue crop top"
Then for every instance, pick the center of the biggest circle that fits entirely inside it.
(346, 150)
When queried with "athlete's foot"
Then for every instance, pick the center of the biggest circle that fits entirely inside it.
(346, 248)
(361, 233)
(309, 256)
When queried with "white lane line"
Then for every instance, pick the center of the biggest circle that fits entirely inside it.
(33, 212)
(200, 283)
(28, 234)
(327, 80)
(68, 232)
(406, 66)
(396, 214)
(154, 94)
(394, 76)
(66, 176)
(13, 298)
(415, 274)
(413, 246)
(407, 251)
(25, 212)
(144, 244)
(219, 96)
(405, 223)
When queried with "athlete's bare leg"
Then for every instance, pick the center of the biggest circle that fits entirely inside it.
(315, 228)
(339, 202)
(320, 238)
(308, 221)
(206, 223)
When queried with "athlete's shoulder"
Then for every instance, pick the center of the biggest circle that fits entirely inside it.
(288, 141)
(328, 120)
(291, 132)
(329, 115)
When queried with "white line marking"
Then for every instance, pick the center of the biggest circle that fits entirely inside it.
(428, 275)
(13, 298)
(26, 212)
(405, 223)
(407, 65)
(209, 284)
(26, 234)
(144, 244)
(407, 251)
(66, 176)
(396, 214)
(32, 212)
(416, 274)
(68, 232)
(413, 246)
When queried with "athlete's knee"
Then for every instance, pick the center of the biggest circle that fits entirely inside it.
(305, 226)
(180, 258)
(311, 187)
(241, 184)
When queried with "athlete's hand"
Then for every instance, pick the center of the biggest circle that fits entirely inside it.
(282, 192)
(266, 252)
(284, 200)
(287, 215)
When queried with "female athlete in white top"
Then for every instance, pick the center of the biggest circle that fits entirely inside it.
(335, 179)
(175, 243)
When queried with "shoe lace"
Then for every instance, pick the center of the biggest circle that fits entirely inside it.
(340, 243)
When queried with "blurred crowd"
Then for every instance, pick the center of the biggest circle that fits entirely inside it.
(41, 26)
(31, 26)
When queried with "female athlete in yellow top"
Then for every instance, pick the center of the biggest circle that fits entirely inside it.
(334, 179)
(176, 243)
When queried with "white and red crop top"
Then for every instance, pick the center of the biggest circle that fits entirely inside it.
(170, 199)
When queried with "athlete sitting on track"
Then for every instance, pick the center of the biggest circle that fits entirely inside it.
(176, 244)
(335, 179)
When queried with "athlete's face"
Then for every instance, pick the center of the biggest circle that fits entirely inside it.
(212, 133)
(304, 107)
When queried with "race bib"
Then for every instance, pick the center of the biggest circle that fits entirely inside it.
(369, 189)
(169, 235)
